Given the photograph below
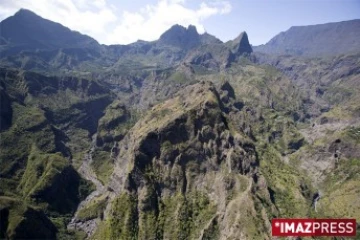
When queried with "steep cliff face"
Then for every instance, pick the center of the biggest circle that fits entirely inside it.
(211, 157)
(240, 45)
(183, 173)
(219, 56)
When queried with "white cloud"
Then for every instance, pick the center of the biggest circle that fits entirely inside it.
(99, 19)
(152, 20)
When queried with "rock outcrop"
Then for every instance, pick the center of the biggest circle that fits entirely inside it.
(182, 173)
(179, 36)
(240, 45)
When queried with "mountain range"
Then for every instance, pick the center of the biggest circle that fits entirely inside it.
(320, 40)
(185, 137)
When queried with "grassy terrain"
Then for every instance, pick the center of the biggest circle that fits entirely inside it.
(291, 190)
(93, 210)
(178, 217)
(102, 165)
(38, 183)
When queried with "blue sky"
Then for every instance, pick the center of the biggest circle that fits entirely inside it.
(114, 21)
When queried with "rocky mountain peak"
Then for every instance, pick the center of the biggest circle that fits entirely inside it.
(240, 45)
(25, 12)
(181, 37)
(192, 28)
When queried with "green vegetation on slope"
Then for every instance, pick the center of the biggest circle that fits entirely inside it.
(102, 165)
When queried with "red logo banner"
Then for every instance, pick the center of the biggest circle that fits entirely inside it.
(282, 227)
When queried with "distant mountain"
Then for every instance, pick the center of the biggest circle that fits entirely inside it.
(34, 43)
(181, 37)
(28, 31)
(217, 55)
(316, 40)
(186, 37)
(240, 45)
